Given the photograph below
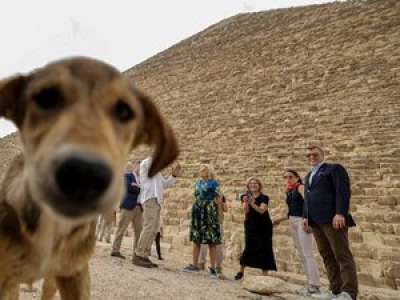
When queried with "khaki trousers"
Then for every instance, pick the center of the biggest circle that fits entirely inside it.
(104, 228)
(333, 245)
(127, 216)
(151, 224)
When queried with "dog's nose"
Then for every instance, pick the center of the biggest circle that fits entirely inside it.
(83, 179)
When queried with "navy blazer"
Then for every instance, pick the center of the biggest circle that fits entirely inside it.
(329, 194)
(132, 192)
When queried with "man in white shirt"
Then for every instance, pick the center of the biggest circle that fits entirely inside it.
(151, 199)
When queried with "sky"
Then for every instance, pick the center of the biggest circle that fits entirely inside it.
(122, 33)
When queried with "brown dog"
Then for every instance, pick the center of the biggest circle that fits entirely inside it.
(78, 120)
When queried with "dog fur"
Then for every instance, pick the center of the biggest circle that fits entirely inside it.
(74, 110)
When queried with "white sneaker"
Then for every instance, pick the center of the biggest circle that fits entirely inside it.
(343, 296)
(324, 296)
(308, 290)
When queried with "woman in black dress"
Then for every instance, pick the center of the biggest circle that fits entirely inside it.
(258, 251)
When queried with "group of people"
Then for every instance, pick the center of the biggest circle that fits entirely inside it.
(141, 207)
(318, 208)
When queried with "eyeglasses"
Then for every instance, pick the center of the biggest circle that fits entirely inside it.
(312, 155)
(288, 177)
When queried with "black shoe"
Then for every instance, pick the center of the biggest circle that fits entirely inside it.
(153, 265)
(239, 275)
(160, 258)
(141, 262)
(117, 254)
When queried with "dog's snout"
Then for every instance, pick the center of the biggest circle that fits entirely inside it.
(82, 179)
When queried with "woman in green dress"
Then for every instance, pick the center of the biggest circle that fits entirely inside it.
(205, 227)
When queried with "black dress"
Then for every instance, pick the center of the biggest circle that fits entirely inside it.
(258, 251)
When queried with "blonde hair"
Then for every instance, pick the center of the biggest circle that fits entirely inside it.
(256, 180)
(211, 173)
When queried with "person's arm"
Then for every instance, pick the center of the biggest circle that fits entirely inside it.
(222, 206)
(306, 226)
(301, 190)
(144, 171)
(171, 179)
(168, 181)
(130, 183)
(245, 207)
(196, 189)
(260, 209)
(341, 183)
(279, 220)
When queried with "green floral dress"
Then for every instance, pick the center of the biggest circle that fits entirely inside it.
(205, 227)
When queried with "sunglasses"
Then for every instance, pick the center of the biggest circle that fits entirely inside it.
(312, 155)
(288, 177)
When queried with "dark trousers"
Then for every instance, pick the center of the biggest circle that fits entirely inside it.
(158, 245)
(333, 245)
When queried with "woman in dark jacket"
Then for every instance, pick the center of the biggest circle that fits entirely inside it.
(303, 240)
(258, 251)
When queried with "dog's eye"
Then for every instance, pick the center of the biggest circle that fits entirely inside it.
(48, 98)
(123, 112)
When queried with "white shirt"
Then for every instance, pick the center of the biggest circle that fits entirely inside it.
(314, 171)
(152, 187)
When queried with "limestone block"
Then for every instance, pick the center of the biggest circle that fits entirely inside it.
(265, 285)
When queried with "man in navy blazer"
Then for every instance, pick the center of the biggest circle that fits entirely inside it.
(131, 211)
(326, 209)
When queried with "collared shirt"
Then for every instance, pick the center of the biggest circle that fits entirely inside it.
(314, 171)
(136, 178)
(152, 187)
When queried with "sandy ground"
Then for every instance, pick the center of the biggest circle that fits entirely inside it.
(116, 279)
(113, 278)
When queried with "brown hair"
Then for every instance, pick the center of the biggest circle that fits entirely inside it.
(294, 172)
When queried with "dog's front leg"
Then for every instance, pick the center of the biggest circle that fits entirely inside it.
(76, 287)
(9, 292)
(49, 288)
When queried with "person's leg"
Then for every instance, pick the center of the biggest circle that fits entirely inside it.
(151, 217)
(203, 256)
(339, 241)
(213, 255)
(220, 256)
(331, 265)
(158, 245)
(310, 264)
(137, 224)
(196, 254)
(108, 219)
(303, 242)
(101, 228)
(125, 219)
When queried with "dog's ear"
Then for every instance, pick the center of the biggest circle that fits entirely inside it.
(11, 103)
(156, 132)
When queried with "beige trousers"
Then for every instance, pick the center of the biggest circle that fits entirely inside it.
(304, 242)
(151, 224)
(104, 228)
(127, 216)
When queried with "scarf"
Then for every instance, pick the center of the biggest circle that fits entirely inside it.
(292, 186)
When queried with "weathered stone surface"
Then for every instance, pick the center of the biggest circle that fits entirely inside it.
(265, 285)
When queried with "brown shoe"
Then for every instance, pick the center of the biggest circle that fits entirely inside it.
(149, 261)
(142, 262)
(117, 254)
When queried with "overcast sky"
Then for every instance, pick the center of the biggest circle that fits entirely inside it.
(122, 33)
